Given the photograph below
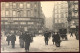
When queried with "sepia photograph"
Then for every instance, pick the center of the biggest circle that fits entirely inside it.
(40, 26)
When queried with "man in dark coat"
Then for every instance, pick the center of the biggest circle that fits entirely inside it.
(49, 33)
(46, 36)
(27, 39)
(57, 38)
(21, 40)
(71, 34)
(13, 39)
(8, 39)
(53, 37)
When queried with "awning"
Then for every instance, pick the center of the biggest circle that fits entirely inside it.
(73, 26)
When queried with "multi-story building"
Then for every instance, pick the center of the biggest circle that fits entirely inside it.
(60, 14)
(73, 18)
(21, 16)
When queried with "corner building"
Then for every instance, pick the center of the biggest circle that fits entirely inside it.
(20, 16)
(73, 18)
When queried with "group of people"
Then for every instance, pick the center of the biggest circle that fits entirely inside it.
(25, 39)
(55, 38)
(12, 38)
(76, 34)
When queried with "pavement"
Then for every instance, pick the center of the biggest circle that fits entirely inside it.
(38, 45)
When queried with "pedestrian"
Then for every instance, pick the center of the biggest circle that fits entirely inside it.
(13, 39)
(21, 40)
(77, 35)
(53, 34)
(71, 34)
(46, 36)
(57, 39)
(8, 39)
(49, 33)
(27, 39)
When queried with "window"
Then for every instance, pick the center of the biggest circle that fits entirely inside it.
(35, 5)
(55, 15)
(21, 5)
(28, 13)
(56, 11)
(59, 21)
(76, 15)
(35, 10)
(5, 18)
(59, 7)
(28, 5)
(7, 5)
(62, 16)
(23, 23)
(20, 13)
(62, 21)
(30, 23)
(16, 22)
(14, 13)
(55, 7)
(76, 7)
(55, 21)
(7, 13)
(15, 18)
(75, 2)
(59, 11)
(14, 5)
(6, 22)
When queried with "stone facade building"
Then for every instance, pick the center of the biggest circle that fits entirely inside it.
(73, 18)
(60, 14)
(21, 15)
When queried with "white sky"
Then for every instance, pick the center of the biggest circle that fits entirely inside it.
(47, 8)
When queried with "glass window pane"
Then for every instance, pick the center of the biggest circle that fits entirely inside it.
(55, 21)
(7, 5)
(21, 5)
(7, 13)
(14, 5)
(28, 5)
(76, 7)
(14, 13)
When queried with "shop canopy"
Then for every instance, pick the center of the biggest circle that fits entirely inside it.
(73, 26)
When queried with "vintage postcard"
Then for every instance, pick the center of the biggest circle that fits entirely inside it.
(40, 26)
